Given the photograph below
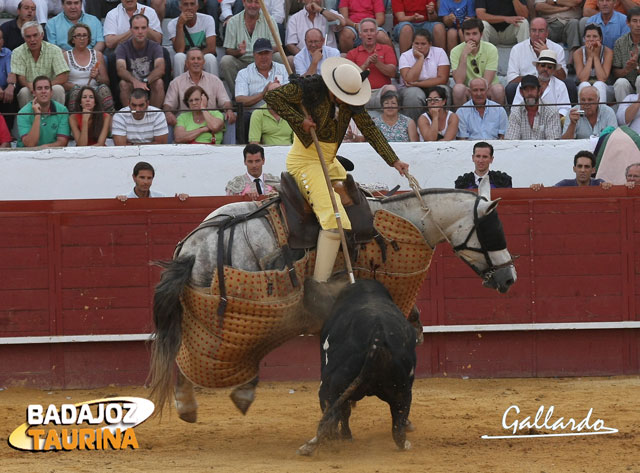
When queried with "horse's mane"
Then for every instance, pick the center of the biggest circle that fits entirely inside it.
(408, 195)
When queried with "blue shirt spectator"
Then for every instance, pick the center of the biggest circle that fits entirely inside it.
(302, 60)
(5, 66)
(58, 29)
(478, 121)
(461, 9)
(616, 27)
(492, 125)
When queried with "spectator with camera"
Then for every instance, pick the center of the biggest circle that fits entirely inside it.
(589, 118)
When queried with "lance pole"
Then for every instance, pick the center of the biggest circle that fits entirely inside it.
(345, 251)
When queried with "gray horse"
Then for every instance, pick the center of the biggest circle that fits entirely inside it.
(465, 220)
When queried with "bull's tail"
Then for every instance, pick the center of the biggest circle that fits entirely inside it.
(167, 318)
(375, 354)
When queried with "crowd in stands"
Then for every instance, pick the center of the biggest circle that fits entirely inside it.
(95, 72)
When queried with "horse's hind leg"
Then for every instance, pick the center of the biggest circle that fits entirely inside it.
(186, 403)
(243, 396)
(414, 320)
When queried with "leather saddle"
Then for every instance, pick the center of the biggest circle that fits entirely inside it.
(303, 224)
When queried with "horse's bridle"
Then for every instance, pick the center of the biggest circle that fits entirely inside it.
(490, 235)
(488, 229)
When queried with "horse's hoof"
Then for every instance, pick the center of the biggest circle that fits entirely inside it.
(188, 412)
(190, 417)
(306, 450)
(243, 398)
(409, 427)
(407, 445)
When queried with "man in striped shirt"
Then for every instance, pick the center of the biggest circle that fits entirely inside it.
(139, 123)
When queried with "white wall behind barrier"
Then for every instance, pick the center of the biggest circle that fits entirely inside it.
(200, 170)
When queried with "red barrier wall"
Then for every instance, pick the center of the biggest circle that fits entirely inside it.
(81, 268)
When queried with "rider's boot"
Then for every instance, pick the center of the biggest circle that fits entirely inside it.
(326, 252)
(319, 293)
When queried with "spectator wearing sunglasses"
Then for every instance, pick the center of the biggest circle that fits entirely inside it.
(473, 59)
(553, 90)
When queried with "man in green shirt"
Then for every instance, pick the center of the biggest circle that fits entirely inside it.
(43, 122)
(38, 58)
(268, 128)
(475, 59)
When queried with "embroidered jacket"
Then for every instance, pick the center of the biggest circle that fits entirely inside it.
(287, 102)
(241, 185)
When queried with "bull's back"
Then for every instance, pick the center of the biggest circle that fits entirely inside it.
(367, 329)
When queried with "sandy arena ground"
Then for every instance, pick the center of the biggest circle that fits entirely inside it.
(450, 416)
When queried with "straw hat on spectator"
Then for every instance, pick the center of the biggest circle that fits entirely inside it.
(547, 57)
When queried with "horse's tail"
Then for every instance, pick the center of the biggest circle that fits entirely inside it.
(167, 318)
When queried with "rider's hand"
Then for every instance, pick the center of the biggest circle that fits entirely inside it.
(308, 123)
(401, 166)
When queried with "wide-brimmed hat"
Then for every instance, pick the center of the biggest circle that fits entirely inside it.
(346, 81)
(547, 57)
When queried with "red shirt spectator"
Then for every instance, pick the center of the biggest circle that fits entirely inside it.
(385, 54)
(361, 9)
(410, 7)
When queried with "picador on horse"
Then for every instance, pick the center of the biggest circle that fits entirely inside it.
(239, 284)
(344, 87)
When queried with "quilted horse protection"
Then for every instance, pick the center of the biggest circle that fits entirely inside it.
(263, 309)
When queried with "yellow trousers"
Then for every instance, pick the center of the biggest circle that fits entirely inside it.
(304, 165)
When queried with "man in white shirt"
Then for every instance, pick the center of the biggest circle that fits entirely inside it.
(44, 8)
(193, 30)
(524, 53)
(554, 91)
(117, 28)
(253, 81)
(254, 182)
(563, 19)
(139, 123)
(313, 15)
(629, 113)
(310, 58)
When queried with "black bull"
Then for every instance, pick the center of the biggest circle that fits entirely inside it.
(368, 348)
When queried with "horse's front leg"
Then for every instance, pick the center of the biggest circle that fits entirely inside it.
(186, 403)
(242, 396)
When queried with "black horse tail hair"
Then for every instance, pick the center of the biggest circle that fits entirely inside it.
(167, 318)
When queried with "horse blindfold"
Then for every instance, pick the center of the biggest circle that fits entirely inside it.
(490, 232)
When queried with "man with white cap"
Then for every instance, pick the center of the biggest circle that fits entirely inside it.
(345, 88)
(553, 90)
